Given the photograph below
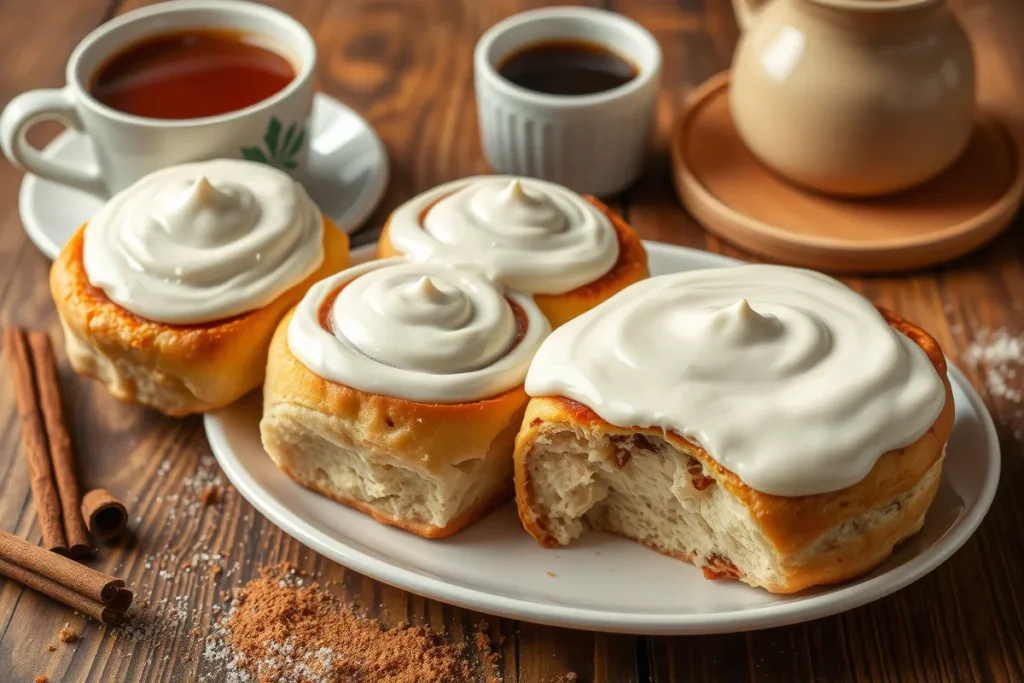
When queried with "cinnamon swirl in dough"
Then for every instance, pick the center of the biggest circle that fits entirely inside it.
(764, 423)
(171, 293)
(570, 252)
(396, 387)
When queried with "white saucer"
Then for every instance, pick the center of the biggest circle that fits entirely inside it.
(600, 582)
(346, 177)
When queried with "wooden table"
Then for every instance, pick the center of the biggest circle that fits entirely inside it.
(407, 67)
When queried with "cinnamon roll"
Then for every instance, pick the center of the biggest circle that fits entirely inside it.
(170, 294)
(765, 423)
(396, 387)
(569, 251)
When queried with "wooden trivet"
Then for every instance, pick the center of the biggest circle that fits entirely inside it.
(731, 194)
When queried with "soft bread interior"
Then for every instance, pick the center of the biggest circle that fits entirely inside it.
(313, 449)
(646, 489)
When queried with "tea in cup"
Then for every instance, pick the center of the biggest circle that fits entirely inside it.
(181, 81)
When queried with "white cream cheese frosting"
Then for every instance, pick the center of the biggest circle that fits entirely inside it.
(424, 332)
(786, 377)
(531, 235)
(203, 241)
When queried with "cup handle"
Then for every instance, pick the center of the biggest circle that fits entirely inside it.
(28, 109)
(747, 12)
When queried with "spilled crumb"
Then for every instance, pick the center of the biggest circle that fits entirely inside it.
(209, 496)
(50, 647)
(41, 678)
(67, 635)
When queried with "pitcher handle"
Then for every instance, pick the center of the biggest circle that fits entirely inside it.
(747, 12)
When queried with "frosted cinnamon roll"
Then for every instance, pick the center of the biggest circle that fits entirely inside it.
(396, 388)
(765, 423)
(170, 294)
(569, 251)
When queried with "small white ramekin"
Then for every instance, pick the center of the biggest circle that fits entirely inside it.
(593, 144)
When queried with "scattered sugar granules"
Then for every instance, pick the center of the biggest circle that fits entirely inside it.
(277, 630)
(199, 488)
(998, 354)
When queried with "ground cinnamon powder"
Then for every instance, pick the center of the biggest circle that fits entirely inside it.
(280, 628)
(488, 656)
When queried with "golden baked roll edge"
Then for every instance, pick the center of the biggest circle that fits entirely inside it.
(176, 369)
(388, 437)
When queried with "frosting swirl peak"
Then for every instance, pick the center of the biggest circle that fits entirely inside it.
(786, 377)
(428, 324)
(419, 331)
(510, 214)
(531, 235)
(204, 241)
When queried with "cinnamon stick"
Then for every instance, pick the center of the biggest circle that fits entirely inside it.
(33, 437)
(62, 458)
(89, 583)
(106, 515)
(107, 614)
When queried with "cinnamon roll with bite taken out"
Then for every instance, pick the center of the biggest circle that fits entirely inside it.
(568, 251)
(170, 294)
(767, 424)
(396, 388)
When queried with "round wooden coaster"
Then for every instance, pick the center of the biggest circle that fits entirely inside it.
(732, 195)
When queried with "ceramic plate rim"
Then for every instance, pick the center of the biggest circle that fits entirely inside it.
(1001, 211)
(354, 216)
(766, 616)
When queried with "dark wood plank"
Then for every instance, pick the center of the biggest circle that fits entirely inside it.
(406, 65)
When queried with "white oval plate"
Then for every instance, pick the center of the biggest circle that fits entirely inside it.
(600, 582)
(347, 176)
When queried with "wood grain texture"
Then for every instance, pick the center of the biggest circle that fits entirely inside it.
(406, 65)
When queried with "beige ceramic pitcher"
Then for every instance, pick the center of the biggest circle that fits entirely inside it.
(852, 97)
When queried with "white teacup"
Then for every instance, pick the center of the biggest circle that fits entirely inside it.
(594, 144)
(129, 147)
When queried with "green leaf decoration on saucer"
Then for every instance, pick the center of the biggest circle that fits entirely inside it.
(279, 153)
